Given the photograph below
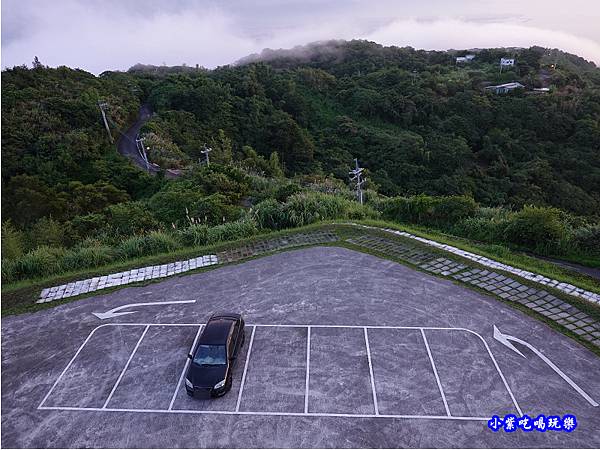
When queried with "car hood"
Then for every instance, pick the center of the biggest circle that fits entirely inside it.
(206, 376)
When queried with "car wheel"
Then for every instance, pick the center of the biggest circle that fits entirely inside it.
(243, 339)
(228, 383)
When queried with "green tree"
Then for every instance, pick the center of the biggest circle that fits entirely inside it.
(12, 241)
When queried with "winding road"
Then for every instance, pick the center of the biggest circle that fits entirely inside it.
(126, 145)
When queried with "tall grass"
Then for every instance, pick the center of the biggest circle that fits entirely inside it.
(46, 261)
(150, 244)
(309, 207)
(40, 262)
(231, 231)
(87, 257)
(193, 236)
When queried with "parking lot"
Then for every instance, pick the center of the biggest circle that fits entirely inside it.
(367, 354)
(311, 370)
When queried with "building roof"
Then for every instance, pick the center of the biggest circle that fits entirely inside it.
(513, 85)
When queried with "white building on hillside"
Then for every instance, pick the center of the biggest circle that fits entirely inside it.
(464, 59)
(504, 88)
(507, 62)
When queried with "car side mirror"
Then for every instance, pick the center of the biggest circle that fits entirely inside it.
(190, 356)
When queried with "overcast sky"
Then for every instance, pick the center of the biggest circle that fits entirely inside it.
(98, 35)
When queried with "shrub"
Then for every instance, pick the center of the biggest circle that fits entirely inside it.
(449, 210)
(309, 207)
(587, 239)
(160, 242)
(286, 191)
(269, 214)
(48, 232)
(88, 256)
(42, 261)
(86, 225)
(9, 270)
(231, 231)
(213, 210)
(538, 228)
(487, 229)
(441, 212)
(12, 241)
(150, 244)
(306, 208)
(194, 235)
(131, 247)
(130, 218)
(170, 203)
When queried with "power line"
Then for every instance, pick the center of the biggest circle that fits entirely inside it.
(356, 175)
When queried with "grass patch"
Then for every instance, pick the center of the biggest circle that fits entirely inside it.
(20, 297)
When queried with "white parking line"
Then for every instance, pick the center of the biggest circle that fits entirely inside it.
(126, 366)
(69, 364)
(307, 380)
(500, 373)
(437, 378)
(371, 372)
(265, 413)
(185, 368)
(306, 397)
(239, 399)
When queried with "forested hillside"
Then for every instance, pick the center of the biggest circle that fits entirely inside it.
(417, 121)
(287, 122)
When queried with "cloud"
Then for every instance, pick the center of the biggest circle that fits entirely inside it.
(95, 39)
(446, 34)
(113, 35)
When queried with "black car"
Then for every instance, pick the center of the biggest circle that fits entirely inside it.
(213, 359)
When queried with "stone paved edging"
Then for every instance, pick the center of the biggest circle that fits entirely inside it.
(279, 243)
(131, 276)
(166, 270)
(507, 288)
(487, 262)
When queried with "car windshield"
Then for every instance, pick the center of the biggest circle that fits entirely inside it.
(210, 355)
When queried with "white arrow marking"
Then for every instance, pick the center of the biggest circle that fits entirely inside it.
(114, 312)
(505, 339)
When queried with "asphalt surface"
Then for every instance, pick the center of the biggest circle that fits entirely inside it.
(589, 271)
(134, 371)
(126, 144)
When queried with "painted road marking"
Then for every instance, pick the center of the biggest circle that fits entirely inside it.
(371, 372)
(239, 399)
(185, 368)
(263, 413)
(126, 366)
(115, 312)
(307, 381)
(307, 393)
(437, 378)
(505, 339)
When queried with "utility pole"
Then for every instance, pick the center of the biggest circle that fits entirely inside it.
(357, 176)
(142, 151)
(205, 152)
(103, 105)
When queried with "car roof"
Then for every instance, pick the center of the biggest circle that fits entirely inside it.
(216, 331)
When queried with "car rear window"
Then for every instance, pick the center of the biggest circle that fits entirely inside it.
(210, 355)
